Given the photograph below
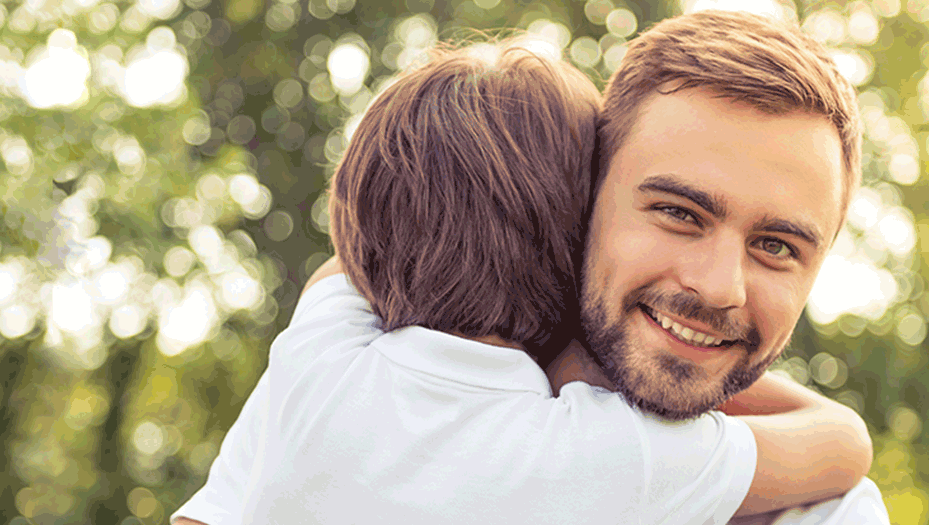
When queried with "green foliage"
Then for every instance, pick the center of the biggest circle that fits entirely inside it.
(114, 214)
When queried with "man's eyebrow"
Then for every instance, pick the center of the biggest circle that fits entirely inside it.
(713, 204)
(716, 206)
(806, 232)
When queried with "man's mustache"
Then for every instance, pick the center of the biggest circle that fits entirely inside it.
(690, 306)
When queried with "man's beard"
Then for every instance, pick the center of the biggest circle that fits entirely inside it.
(664, 384)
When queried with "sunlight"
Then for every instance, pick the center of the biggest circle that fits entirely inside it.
(188, 323)
(57, 75)
(72, 307)
(155, 78)
(874, 290)
(759, 7)
(348, 66)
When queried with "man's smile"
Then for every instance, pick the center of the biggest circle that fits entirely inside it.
(682, 346)
(685, 332)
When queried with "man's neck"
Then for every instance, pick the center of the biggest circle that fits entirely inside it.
(575, 364)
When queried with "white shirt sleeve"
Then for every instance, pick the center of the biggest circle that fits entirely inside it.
(693, 472)
(700, 469)
(863, 504)
(322, 312)
(330, 317)
(219, 501)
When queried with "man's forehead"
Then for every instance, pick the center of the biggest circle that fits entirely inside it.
(783, 163)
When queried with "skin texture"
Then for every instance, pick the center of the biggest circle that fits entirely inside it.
(710, 260)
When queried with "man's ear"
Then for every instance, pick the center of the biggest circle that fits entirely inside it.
(331, 267)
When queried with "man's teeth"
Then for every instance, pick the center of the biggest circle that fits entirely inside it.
(683, 333)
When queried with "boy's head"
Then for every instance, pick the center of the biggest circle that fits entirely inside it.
(459, 203)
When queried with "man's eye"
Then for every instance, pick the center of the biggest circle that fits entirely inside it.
(679, 214)
(777, 248)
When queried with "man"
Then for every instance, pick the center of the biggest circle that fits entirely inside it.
(352, 425)
(729, 153)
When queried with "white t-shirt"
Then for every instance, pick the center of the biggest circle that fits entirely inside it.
(350, 425)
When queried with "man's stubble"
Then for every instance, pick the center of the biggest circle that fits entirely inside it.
(663, 384)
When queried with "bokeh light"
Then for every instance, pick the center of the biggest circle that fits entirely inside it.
(854, 66)
(56, 75)
(772, 8)
(622, 22)
(585, 52)
(148, 438)
(548, 38)
(874, 291)
(154, 76)
(597, 11)
(826, 25)
(162, 9)
(188, 321)
(348, 66)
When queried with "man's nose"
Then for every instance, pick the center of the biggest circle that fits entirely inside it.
(715, 271)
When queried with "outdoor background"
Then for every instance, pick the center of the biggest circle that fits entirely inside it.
(161, 205)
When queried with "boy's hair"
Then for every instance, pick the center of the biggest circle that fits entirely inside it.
(458, 204)
(767, 64)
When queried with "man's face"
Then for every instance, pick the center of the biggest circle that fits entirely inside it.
(705, 240)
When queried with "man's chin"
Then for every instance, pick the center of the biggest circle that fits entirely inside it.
(664, 384)
(674, 388)
(670, 414)
(671, 405)
(667, 386)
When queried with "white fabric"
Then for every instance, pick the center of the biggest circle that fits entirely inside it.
(859, 506)
(351, 425)
(862, 504)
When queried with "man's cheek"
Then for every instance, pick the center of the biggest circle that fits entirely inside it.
(776, 324)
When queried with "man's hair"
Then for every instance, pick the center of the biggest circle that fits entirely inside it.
(770, 65)
(458, 205)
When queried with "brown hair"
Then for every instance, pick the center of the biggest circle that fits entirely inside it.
(458, 205)
(768, 64)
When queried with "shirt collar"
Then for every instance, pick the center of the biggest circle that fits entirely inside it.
(463, 360)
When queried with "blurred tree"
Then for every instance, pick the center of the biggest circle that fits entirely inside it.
(162, 201)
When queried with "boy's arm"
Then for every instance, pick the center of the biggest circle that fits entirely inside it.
(804, 439)
(810, 448)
